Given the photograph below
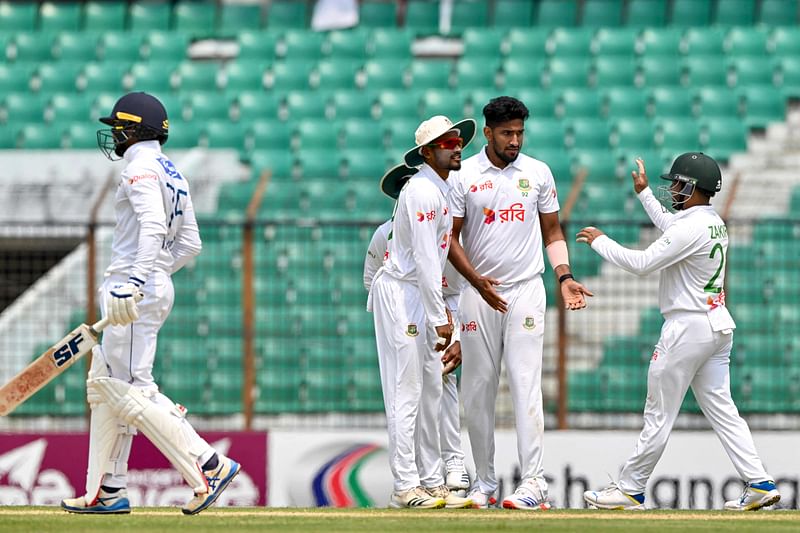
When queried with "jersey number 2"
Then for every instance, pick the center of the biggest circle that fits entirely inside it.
(710, 287)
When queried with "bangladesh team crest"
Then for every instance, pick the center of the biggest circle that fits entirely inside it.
(529, 323)
(412, 331)
(524, 185)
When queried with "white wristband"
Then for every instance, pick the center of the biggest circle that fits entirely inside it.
(557, 253)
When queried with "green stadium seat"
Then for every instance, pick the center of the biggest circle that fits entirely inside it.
(119, 46)
(625, 102)
(197, 76)
(244, 75)
(704, 41)
(512, 13)
(384, 73)
(235, 18)
(751, 71)
(205, 106)
(310, 134)
(398, 104)
(475, 72)
(660, 72)
(38, 136)
(279, 162)
(522, 72)
(723, 136)
(423, 16)
(289, 75)
(18, 16)
(615, 42)
(223, 134)
(579, 102)
(735, 13)
(430, 74)
(600, 164)
(74, 46)
(306, 104)
(469, 14)
(255, 106)
(482, 43)
(677, 135)
(661, 42)
(57, 77)
(587, 133)
(671, 102)
(746, 41)
(390, 43)
(778, 12)
(540, 102)
(613, 72)
(601, 13)
(72, 107)
(284, 14)
(257, 45)
(358, 133)
(526, 43)
(165, 46)
(762, 105)
(346, 44)
(450, 103)
(705, 70)
(348, 105)
(632, 134)
(545, 133)
(182, 134)
(716, 102)
(789, 73)
(570, 42)
(557, 158)
(57, 16)
(362, 163)
(150, 16)
(104, 16)
(81, 136)
(377, 14)
(319, 163)
(567, 72)
(557, 13)
(24, 107)
(399, 131)
(152, 76)
(32, 47)
(195, 18)
(335, 74)
(16, 77)
(279, 390)
(646, 13)
(300, 45)
(690, 13)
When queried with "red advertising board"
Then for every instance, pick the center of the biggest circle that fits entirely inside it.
(42, 469)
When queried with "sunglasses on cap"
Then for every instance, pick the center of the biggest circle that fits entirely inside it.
(450, 143)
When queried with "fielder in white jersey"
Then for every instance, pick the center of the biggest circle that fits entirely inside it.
(697, 335)
(456, 476)
(412, 322)
(504, 206)
(155, 235)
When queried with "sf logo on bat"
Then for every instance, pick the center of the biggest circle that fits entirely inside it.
(64, 353)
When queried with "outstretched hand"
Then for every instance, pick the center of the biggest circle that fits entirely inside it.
(574, 294)
(640, 182)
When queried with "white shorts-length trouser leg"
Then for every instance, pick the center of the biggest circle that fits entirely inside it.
(688, 353)
(487, 338)
(401, 336)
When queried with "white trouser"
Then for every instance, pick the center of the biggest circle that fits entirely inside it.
(487, 338)
(411, 379)
(689, 353)
(449, 415)
(127, 353)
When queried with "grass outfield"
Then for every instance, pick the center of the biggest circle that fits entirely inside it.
(43, 519)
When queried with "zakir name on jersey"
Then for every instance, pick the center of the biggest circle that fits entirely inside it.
(719, 232)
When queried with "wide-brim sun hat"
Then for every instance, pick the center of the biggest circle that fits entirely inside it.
(432, 129)
(394, 179)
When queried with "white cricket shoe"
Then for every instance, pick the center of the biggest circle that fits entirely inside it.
(105, 503)
(755, 496)
(481, 500)
(529, 496)
(218, 480)
(416, 498)
(451, 500)
(612, 497)
(456, 478)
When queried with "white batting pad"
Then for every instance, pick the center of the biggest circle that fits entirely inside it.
(103, 435)
(160, 424)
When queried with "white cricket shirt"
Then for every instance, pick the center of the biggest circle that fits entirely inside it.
(418, 244)
(501, 234)
(690, 254)
(156, 227)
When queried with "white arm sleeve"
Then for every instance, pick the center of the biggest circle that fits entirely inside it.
(672, 247)
(425, 243)
(374, 258)
(658, 214)
(147, 202)
(187, 243)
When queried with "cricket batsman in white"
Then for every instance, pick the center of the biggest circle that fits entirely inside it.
(155, 235)
(697, 335)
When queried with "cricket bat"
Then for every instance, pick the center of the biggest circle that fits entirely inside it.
(51, 363)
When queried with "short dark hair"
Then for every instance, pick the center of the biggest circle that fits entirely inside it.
(502, 109)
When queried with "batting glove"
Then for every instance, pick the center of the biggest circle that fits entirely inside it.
(121, 303)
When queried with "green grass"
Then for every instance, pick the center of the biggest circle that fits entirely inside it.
(43, 519)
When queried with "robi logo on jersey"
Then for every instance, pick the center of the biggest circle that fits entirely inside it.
(430, 215)
(469, 326)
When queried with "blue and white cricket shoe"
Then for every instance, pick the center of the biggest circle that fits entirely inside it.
(529, 496)
(613, 498)
(755, 497)
(218, 480)
(104, 503)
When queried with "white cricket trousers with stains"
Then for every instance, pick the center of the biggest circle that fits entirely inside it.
(688, 354)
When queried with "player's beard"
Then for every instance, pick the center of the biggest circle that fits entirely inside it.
(507, 158)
